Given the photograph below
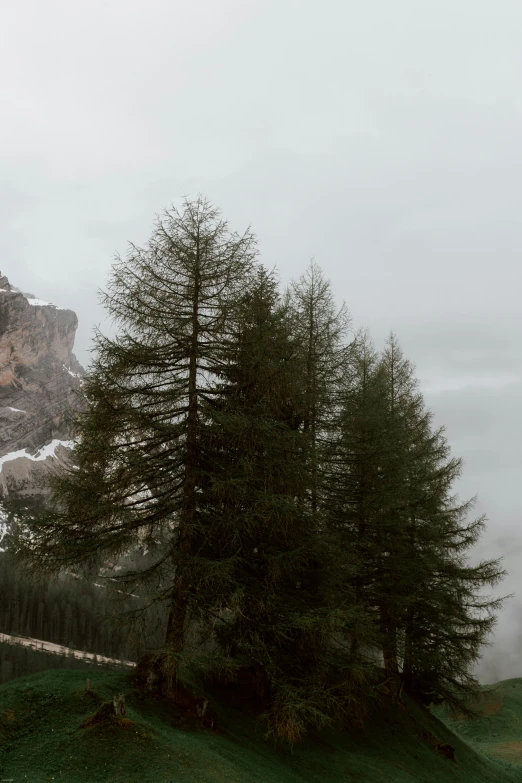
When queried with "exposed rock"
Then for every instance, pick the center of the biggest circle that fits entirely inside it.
(40, 384)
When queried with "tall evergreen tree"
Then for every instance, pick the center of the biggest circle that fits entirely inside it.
(434, 620)
(285, 608)
(354, 494)
(320, 330)
(138, 453)
(390, 501)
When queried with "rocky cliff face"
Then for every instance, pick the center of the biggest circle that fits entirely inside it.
(40, 383)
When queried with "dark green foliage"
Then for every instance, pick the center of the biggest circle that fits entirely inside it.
(441, 620)
(71, 612)
(138, 458)
(281, 603)
(354, 490)
(275, 497)
(318, 331)
(391, 498)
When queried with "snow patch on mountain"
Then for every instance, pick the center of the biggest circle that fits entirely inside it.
(43, 453)
(41, 303)
(74, 374)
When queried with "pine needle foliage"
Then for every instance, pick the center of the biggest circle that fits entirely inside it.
(320, 330)
(277, 495)
(138, 454)
(353, 491)
(431, 597)
(285, 609)
(390, 501)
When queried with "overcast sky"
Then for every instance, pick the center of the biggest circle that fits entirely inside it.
(382, 138)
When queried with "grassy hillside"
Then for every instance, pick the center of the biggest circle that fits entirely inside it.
(498, 732)
(42, 739)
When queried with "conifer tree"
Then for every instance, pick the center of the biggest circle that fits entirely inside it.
(354, 495)
(434, 619)
(320, 332)
(138, 453)
(285, 608)
(390, 500)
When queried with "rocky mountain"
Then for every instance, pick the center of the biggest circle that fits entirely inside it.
(40, 384)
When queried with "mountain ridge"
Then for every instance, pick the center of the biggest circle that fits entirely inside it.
(40, 386)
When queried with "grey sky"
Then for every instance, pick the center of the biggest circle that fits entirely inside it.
(381, 138)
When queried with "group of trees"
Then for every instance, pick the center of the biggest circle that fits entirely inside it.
(68, 611)
(284, 482)
(17, 660)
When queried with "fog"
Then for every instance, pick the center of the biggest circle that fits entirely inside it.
(381, 138)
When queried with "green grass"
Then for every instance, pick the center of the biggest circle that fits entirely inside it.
(42, 739)
(498, 732)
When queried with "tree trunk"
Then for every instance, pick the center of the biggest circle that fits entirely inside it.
(178, 610)
(176, 623)
(119, 705)
(389, 642)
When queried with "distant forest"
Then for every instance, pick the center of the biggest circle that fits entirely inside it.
(17, 660)
(66, 611)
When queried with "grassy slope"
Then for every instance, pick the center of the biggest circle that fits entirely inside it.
(41, 739)
(498, 733)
